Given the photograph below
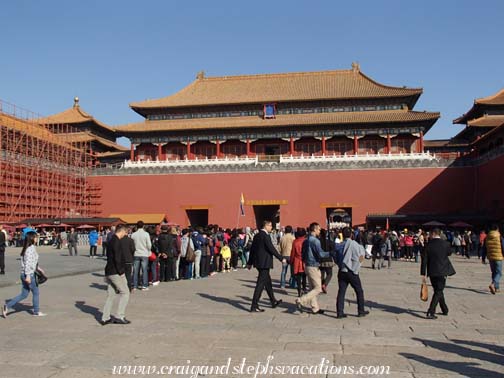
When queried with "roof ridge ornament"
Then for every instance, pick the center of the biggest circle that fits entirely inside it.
(76, 102)
(200, 75)
(355, 67)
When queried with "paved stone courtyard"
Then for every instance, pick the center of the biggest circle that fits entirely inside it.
(207, 321)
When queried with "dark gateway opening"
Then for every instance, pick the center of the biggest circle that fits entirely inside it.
(198, 218)
(267, 212)
(338, 217)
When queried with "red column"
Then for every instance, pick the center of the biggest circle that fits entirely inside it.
(389, 144)
(421, 142)
(355, 145)
(159, 151)
(248, 148)
(188, 150)
(218, 148)
(291, 146)
(132, 152)
(323, 146)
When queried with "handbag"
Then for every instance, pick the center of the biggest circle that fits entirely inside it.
(451, 270)
(190, 255)
(40, 277)
(424, 291)
(152, 257)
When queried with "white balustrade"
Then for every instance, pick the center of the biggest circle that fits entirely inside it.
(226, 161)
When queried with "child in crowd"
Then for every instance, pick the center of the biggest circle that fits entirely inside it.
(226, 257)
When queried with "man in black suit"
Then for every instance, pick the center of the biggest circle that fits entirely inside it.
(261, 257)
(437, 265)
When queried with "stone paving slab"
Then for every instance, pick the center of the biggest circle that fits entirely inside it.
(207, 321)
(55, 262)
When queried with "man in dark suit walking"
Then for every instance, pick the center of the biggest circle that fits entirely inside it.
(437, 265)
(261, 257)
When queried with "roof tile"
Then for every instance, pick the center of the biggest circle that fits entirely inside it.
(324, 85)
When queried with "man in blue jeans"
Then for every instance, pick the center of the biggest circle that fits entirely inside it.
(142, 252)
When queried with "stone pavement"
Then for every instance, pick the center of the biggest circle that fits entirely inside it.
(55, 262)
(207, 321)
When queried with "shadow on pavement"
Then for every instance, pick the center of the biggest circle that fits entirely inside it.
(98, 286)
(20, 307)
(392, 309)
(467, 369)
(466, 289)
(87, 309)
(235, 303)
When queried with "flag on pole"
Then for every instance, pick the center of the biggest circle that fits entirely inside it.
(242, 205)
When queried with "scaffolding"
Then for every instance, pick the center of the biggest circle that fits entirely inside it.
(41, 175)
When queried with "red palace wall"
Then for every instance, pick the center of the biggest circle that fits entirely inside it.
(429, 190)
(489, 191)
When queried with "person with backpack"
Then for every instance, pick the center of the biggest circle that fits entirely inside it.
(349, 256)
(312, 254)
(198, 242)
(494, 250)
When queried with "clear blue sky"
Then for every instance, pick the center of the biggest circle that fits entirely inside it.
(111, 53)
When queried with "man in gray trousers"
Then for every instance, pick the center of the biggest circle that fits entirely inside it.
(116, 279)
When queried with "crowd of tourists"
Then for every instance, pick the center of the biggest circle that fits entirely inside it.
(141, 256)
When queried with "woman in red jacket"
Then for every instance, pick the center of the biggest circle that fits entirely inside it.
(296, 261)
(408, 244)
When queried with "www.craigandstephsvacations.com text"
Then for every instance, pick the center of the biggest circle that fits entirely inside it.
(252, 369)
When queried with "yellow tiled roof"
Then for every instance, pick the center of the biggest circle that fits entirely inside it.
(323, 85)
(85, 136)
(477, 109)
(33, 129)
(109, 154)
(487, 121)
(134, 218)
(73, 116)
(385, 116)
(496, 99)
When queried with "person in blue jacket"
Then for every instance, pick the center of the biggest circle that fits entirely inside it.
(93, 243)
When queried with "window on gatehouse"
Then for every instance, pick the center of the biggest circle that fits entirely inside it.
(204, 151)
(308, 148)
(234, 149)
(339, 147)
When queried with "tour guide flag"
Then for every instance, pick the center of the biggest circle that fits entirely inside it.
(242, 205)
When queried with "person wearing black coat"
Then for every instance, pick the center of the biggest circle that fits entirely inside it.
(128, 247)
(117, 284)
(437, 266)
(166, 250)
(261, 257)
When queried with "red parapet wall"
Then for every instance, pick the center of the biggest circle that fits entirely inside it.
(302, 195)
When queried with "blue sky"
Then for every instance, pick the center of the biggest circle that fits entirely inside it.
(111, 53)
